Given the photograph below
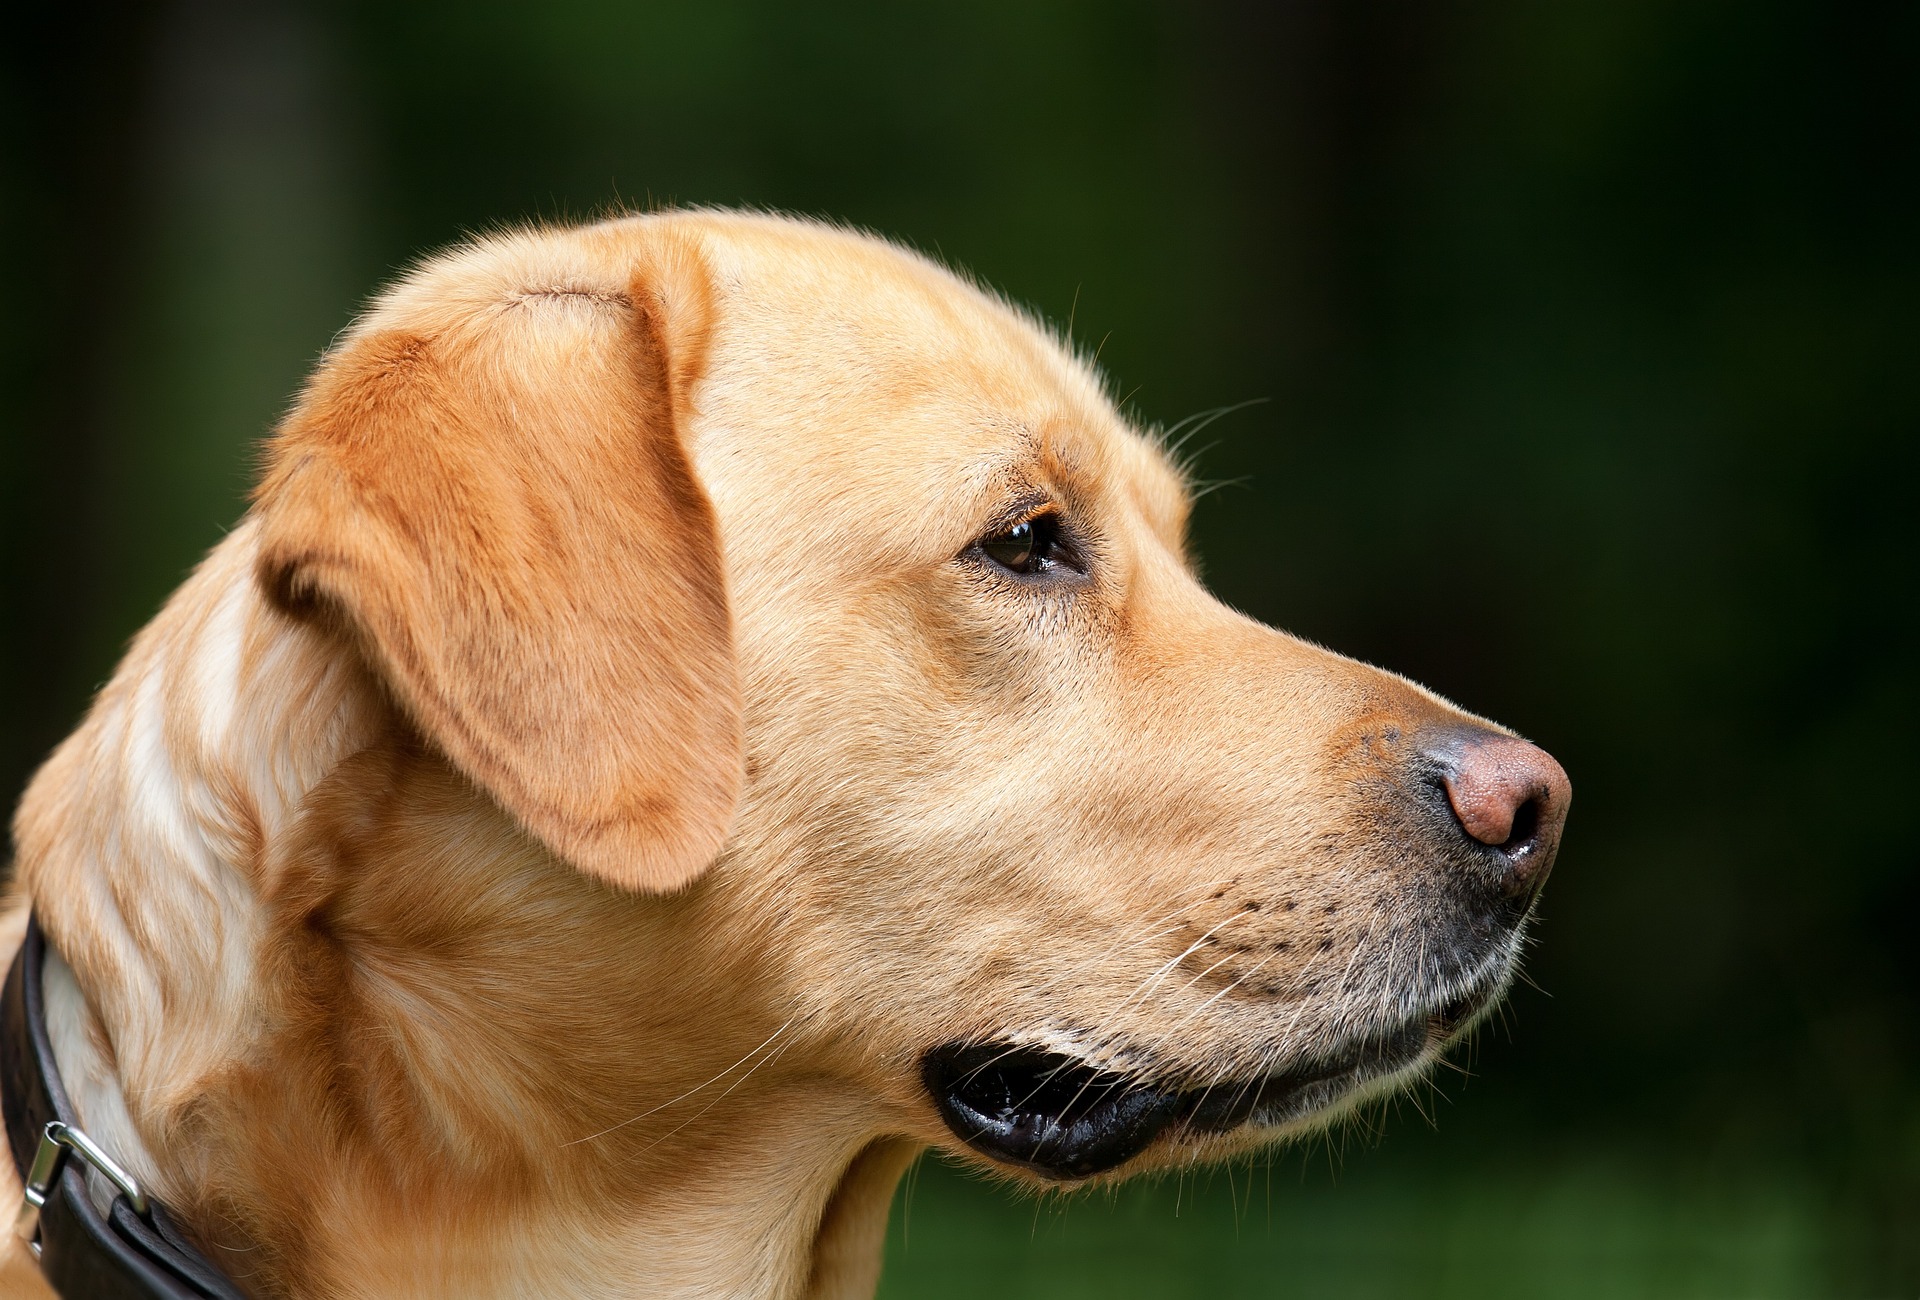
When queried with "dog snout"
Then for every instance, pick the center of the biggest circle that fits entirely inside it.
(1509, 796)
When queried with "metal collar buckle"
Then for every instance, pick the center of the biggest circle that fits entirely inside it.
(56, 1140)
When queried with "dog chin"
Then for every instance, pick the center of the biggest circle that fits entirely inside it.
(1066, 1119)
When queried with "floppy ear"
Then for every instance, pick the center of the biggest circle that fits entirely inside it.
(487, 485)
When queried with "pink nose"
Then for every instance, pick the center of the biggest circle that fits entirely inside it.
(1511, 796)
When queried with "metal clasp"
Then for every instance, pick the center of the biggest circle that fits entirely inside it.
(56, 1140)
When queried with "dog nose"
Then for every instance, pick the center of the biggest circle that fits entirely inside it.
(1511, 796)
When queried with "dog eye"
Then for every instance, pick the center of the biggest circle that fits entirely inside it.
(1030, 547)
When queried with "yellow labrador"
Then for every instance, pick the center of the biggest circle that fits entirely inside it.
(703, 707)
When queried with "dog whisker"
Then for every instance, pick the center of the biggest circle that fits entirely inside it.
(727, 1092)
(1187, 1019)
(1154, 1047)
(1199, 420)
(1147, 986)
(1197, 896)
(674, 1101)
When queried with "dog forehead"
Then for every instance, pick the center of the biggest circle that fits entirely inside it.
(852, 382)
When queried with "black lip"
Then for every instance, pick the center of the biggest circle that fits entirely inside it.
(1066, 1120)
(1043, 1111)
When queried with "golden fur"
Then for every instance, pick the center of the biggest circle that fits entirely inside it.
(531, 853)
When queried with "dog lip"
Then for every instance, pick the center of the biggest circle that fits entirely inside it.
(1301, 1089)
(1067, 1120)
(1042, 1111)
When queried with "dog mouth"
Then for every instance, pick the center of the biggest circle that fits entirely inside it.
(1064, 1119)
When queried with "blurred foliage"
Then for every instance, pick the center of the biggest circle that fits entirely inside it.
(1588, 334)
(1585, 1230)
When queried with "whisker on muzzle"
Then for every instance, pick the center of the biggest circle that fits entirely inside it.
(674, 1101)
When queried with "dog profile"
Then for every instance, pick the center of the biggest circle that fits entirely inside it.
(701, 708)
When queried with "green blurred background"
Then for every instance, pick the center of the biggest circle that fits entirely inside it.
(1588, 336)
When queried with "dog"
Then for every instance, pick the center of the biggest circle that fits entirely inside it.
(703, 707)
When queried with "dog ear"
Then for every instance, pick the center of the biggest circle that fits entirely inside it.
(491, 493)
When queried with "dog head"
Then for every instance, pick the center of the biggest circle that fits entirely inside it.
(817, 617)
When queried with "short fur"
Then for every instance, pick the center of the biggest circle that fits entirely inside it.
(533, 851)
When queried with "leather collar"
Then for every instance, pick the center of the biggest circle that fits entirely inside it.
(125, 1254)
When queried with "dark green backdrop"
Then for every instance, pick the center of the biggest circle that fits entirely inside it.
(1588, 334)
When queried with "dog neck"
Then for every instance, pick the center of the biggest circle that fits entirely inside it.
(369, 1038)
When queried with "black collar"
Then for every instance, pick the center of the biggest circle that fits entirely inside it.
(127, 1254)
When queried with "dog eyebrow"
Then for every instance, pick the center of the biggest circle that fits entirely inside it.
(1034, 475)
(1017, 494)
